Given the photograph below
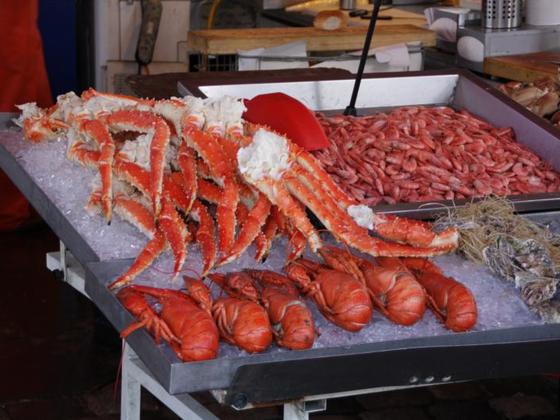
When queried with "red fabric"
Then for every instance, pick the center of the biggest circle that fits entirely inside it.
(23, 78)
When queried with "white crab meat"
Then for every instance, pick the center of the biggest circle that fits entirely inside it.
(28, 110)
(223, 113)
(70, 105)
(196, 109)
(102, 105)
(138, 150)
(268, 156)
(362, 215)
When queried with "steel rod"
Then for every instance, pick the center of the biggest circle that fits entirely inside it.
(351, 109)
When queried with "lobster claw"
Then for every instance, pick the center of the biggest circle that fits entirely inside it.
(289, 117)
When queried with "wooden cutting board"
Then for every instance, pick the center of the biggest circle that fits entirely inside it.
(397, 16)
(524, 67)
(230, 41)
(391, 17)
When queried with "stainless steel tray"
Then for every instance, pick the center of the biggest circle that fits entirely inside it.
(285, 375)
(456, 88)
(282, 375)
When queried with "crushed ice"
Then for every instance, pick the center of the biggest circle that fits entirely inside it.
(67, 185)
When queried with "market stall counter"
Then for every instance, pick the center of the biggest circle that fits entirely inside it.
(382, 354)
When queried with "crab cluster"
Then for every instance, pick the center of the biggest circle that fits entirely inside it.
(191, 170)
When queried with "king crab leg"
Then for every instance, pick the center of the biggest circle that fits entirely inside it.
(340, 225)
(209, 149)
(187, 163)
(310, 191)
(98, 132)
(39, 124)
(140, 216)
(290, 209)
(309, 163)
(296, 239)
(133, 174)
(175, 231)
(208, 191)
(407, 231)
(147, 256)
(170, 225)
(413, 232)
(79, 151)
(250, 229)
(241, 213)
(130, 210)
(264, 239)
(204, 235)
(146, 122)
(115, 101)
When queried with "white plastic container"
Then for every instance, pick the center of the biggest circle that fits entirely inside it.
(542, 12)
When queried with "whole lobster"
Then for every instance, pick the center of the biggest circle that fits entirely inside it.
(291, 319)
(393, 289)
(241, 322)
(188, 328)
(341, 298)
(451, 301)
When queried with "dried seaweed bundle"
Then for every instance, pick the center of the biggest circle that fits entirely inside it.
(516, 249)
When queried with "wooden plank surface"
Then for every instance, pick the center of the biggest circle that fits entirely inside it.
(229, 41)
(524, 67)
(389, 16)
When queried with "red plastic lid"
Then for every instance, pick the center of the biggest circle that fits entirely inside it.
(287, 116)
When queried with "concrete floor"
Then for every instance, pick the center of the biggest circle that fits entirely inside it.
(59, 360)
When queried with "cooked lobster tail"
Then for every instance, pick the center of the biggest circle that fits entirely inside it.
(341, 298)
(193, 334)
(452, 302)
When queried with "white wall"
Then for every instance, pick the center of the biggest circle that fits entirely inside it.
(117, 24)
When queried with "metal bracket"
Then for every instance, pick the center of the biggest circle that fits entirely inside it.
(63, 264)
(300, 410)
(136, 375)
(67, 268)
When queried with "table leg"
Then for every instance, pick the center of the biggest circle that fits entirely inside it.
(130, 390)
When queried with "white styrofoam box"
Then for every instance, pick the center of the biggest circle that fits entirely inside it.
(251, 59)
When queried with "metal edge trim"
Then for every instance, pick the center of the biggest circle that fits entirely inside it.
(194, 87)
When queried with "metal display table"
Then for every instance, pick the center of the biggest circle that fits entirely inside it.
(305, 379)
(135, 374)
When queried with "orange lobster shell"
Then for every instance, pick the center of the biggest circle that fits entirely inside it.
(452, 302)
(341, 298)
(195, 333)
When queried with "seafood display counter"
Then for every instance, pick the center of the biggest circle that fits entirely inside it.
(382, 354)
(457, 89)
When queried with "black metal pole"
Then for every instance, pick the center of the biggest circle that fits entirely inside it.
(351, 109)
